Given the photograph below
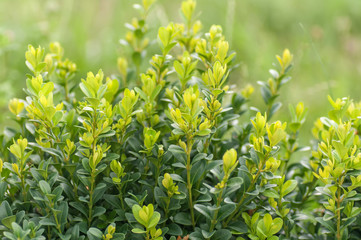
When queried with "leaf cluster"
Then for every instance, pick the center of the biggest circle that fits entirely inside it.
(168, 149)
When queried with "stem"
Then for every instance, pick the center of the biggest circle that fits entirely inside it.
(338, 235)
(58, 227)
(189, 184)
(245, 194)
(121, 144)
(146, 168)
(309, 190)
(22, 177)
(270, 104)
(157, 173)
(159, 73)
(166, 211)
(22, 127)
(206, 145)
(289, 153)
(49, 233)
(279, 205)
(91, 198)
(121, 195)
(211, 119)
(339, 200)
(156, 178)
(286, 229)
(214, 220)
(75, 186)
(75, 189)
(23, 186)
(92, 177)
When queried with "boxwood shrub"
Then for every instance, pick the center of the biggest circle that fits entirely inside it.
(172, 150)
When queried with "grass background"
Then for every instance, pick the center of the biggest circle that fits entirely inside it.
(324, 36)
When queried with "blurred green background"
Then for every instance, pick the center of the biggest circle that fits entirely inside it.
(324, 36)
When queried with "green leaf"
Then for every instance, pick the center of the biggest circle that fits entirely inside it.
(261, 230)
(141, 93)
(222, 234)
(238, 227)
(340, 148)
(276, 226)
(294, 126)
(63, 208)
(169, 47)
(85, 90)
(80, 207)
(99, 192)
(271, 193)
(178, 68)
(288, 187)
(266, 94)
(135, 209)
(18, 230)
(275, 107)
(207, 235)
(267, 220)
(225, 211)
(57, 117)
(348, 222)
(5, 210)
(138, 230)
(47, 222)
(160, 197)
(85, 163)
(7, 221)
(107, 134)
(183, 219)
(153, 221)
(44, 187)
(163, 35)
(174, 229)
(47, 88)
(178, 153)
(3, 188)
(197, 171)
(204, 132)
(327, 224)
(94, 102)
(40, 67)
(203, 210)
(98, 211)
(94, 234)
(113, 200)
(155, 92)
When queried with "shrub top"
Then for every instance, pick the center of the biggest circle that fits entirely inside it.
(172, 152)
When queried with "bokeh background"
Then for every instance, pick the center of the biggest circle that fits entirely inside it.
(324, 36)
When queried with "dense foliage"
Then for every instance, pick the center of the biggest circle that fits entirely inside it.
(170, 152)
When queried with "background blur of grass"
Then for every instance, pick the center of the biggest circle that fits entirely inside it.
(324, 36)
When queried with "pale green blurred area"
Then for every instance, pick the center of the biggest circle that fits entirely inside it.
(324, 36)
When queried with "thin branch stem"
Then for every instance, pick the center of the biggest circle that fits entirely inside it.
(189, 184)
